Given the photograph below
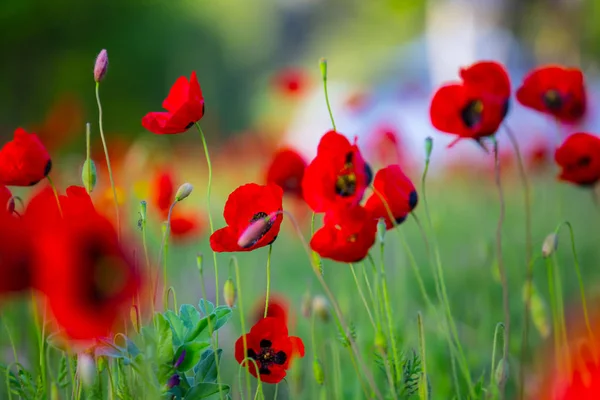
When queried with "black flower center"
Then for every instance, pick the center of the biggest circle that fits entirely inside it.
(584, 161)
(553, 100)
(267, 357)
(345, 182)
(268, 223)
(472, 113)
(188, 126)
(413, 199)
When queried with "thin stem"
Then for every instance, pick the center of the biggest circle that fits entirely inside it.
(388, 313)
(499, 326)
(525, 338)
(87, 156)
(327, 101)
(163, 251)
(371, 295)
(268, 281)
(501, 268)
(362, 296)
(242, 321)
(581, 286)
(276, 392)
(561, 313)
(210, 221)
(51, 183)
(423, 391)
(39, 331)
(337, 387)
(555, 320)
(110, 380)
(110, 174)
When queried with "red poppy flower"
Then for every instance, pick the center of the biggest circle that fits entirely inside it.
(5, 197)
(246, 205)
(287, 170)
(86, 276)
(398, 192)
(184, 105)
(75, 204)
(475, 107)
(338, 176)
(290, 81)
(579, 158)
(555, 90)
(163, 190)
(278, 308)
(346, 236)
(184, 226)
(269, 345)
(24, 161)
(15, 254)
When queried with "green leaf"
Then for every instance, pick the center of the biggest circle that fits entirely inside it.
(189, 315)
(204, 390)
(206, 370)
(193, 352)
(132, 348)
(177, 326)
(63, 373)
(223, 314)
(206, 307)
(201, 331)
(164, 349)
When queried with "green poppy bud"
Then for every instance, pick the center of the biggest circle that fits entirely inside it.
(428, 147)
(550, 245)
(229, 293)
(320, 306)
(184, 191)
(323, 68)
(318, 371)
(89, 175)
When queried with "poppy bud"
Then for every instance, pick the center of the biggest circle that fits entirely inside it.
(86, 369)
(428, 147)
(501, 373)
(381, 341)
(550, 245)
(184, 191)
(101, 65)
(318, 372)
(143, 210)
(323, 68)
(381, 228)
(199, 262)
(101, 364)
(320, 306)
(317, 263)
(88, 175)
(229, 292)
(255, 231)
(54, 394)
(306, 305)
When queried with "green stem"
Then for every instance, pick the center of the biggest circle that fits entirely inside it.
(555, 320)
(372, 296)
(268, 281)
(362, 296)
(388, 313)
(561, 313)
(276, 392)
(39, 331)
(242, 321)
(337, 381)
(162, 255)
(110, 174)
(11, 340)
(423, 390)
(499, 326)
(501, 268)
(51, 183)
(327, 101)
(87, 156)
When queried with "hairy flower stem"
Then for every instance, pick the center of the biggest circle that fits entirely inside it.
(268, 281)
(423, 390)
(162, 257)
(363, 298)
(442, 286)
(555, 318)
(501, 267)
(499, 326)
(388, 313)
(39, 331)
(560, 308)
(110, 174)
(240, 305)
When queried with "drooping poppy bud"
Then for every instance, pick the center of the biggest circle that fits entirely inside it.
(101, 65)
(550, 245)
(184, 191)
(320, 306)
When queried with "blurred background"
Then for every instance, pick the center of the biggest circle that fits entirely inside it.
(257, 63)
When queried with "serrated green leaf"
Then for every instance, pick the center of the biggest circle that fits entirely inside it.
(201, 330)
(204, 390)
(206, 370)
(177, 327)
(193, 353)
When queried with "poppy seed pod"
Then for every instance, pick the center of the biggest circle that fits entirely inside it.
(550, 245)
(229, 293)
(381, 229)
(101, 65)
(184, 191)
(428, 147)
(143, 209)
(89, 175)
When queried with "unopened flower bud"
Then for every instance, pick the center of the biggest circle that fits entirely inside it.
(381, 229)
(173, 381)
(255, 231)
(428, 147)
(199, 262)
(86, 368)
(381, 341)
(318, 372)
(320, 306)
(306, 305)
(501, 373)
(89, 175)
(317, 263)
(229, 293)
(101, 65)
(550, 245)
(323, 68)
(143, 210)
(184, 191)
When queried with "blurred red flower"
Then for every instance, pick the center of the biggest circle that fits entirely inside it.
(24, 161)
(398, 192)
(184, 105)
(290, 81)
(270, 346)
(555, 90)
(15, 254)
(278, 308)
(247, 205)
(287, 170)
(338, 176)
(5, 197)
(579, 158)
(346, 236)
(475, 107)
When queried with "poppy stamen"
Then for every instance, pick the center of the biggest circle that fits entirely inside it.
(345, 185)
(553, 100)
(267, 357)
(472, 113)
